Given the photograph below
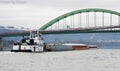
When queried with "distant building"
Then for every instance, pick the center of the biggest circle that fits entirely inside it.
(11, 27)
(2, 27)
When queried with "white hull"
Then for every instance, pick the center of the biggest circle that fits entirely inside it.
(27, 48)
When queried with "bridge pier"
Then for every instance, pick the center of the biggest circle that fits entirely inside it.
(1, 44)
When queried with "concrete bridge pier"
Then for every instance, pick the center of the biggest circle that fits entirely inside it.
(1, 44)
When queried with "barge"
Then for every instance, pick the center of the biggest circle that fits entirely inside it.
(35, 43)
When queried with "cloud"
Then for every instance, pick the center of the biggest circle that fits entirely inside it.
(26, 16)
(38, 12)
(76, 3)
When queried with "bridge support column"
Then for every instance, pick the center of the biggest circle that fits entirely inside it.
(1, 43)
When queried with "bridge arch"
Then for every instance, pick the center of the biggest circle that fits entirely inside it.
(77, 12)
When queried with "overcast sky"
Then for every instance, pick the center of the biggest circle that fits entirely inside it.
(35, 13)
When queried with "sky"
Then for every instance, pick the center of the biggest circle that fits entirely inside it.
(33, 14)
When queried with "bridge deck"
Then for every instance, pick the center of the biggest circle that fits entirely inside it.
(66, 31)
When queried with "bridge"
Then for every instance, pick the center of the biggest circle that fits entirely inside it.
(91, 20)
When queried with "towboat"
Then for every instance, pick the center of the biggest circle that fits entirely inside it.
(34, 43)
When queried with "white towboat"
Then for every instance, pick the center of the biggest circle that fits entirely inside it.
(35, 43)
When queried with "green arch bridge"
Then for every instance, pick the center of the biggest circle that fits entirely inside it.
(91, 20)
